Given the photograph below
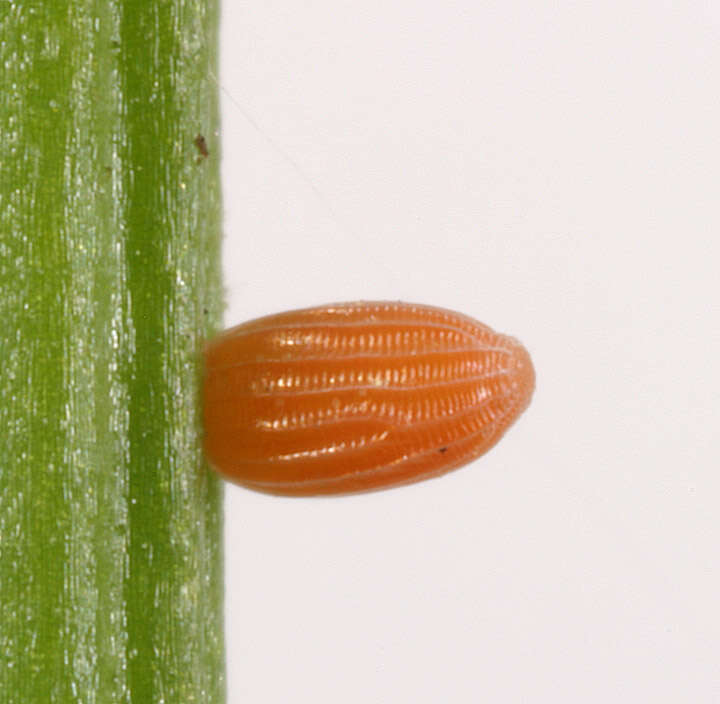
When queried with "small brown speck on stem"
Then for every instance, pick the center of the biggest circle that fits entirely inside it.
(202, 147)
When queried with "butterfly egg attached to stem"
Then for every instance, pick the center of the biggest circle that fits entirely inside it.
(353, 397)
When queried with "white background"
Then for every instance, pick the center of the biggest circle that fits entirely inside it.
(552, 169)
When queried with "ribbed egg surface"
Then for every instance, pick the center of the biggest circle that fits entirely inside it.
(358, 396)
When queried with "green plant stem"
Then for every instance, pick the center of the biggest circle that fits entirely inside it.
(110, 524)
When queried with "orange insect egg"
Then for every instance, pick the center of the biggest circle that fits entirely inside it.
(358, 396)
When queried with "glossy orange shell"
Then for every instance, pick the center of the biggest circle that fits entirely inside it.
(358, 396)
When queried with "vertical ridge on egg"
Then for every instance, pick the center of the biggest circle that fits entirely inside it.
(358, 396)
